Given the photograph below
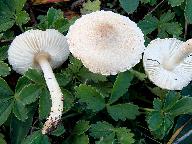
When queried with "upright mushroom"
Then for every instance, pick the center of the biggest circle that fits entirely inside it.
(106, 42)
(42, 50)
(168, 63)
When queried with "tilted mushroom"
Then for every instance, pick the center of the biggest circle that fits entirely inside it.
(168, 63)
(106, 42)
(42, 50)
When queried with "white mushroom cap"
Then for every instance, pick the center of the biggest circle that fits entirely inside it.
(162, 66)
(26, 46)
(106, 42)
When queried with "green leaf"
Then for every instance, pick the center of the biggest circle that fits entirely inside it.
(155, 120)
(159, 123)
(21, 83)
(5, 91)
(29, 94)
(59, 131)
(166, 25)
(4, 69)
(172, 28)
(52, 16)
(19, 129)
(81, 127)
(101, 129)
(44, 104)
(19, 4)
(91, 97)
(63, 78)
(68, 100)
(123, 111)
(157, 104)
(90, 6)
(6, 23)
(129, 5)
(139, 75)
(10, 12)
(62, 25)
(22, 17)
(74, 66)
(170, 100)
(110, 139)
(36, 138)
(183, 106)
(166, 17)
(188, 11)
(80, 139)
(35, 76)
(104, 88)
(54, 19)
(174, 3)
(5, 110)
(85, 74)
(149, 24)
(151, 2)
(121, 86)
(124, 136)
(3, 52)
(161, 120)
(20, 111)
(2, 140)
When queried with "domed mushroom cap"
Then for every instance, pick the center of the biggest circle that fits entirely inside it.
(106, 42)
(156, 62)
(28, 45)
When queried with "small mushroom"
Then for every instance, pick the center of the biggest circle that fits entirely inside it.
(106, 42)
(168, 63)
(42, 50)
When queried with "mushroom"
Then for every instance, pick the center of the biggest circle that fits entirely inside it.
(106, 42)
(168, 63)
(42, 50)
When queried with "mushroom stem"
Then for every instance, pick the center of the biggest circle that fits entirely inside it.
(184, 51)
(56, 95)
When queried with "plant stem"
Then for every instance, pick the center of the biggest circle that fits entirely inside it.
(155, 7)
(70, 115)
(146, 109)
(21, 28)
(56, 95)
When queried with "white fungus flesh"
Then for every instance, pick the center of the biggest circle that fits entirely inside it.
(168, 63)
(106, 42)
(42, 50)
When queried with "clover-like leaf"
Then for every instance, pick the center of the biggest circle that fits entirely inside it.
(5, 110)
(81, 127)
(91, 97)
(124, 136)
(11, 12)
(175, 2)
(123, 111)
(129, 5)
(121, 86)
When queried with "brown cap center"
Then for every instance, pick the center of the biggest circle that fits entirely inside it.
(104, 29)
